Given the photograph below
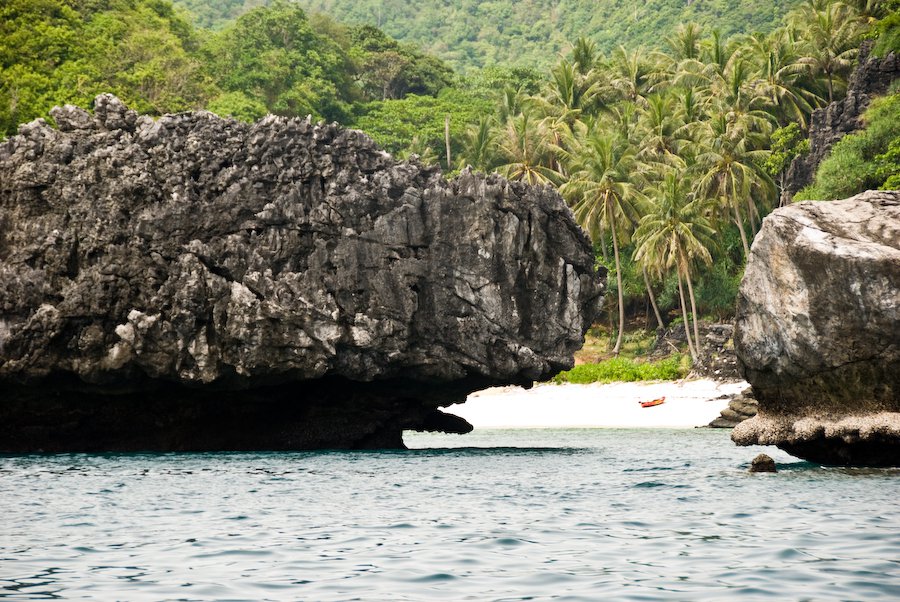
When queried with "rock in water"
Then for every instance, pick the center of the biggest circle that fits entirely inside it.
(818, 331)
(763, 463)
(195, 283)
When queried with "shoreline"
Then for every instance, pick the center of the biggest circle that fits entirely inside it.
(688, 404)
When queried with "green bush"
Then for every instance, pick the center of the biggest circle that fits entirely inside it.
(622, 369)
(888, 30)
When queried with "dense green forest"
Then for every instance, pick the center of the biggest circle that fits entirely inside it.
(669, 157)
(471, 34)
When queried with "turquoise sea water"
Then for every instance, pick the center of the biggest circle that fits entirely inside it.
(496, 515)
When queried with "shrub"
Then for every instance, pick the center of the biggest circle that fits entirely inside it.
(622, 369)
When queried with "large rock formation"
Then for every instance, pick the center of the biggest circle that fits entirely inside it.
(818, 331)
(872, 77)
(197, 283)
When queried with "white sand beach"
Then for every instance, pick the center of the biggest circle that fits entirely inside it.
(688, 403)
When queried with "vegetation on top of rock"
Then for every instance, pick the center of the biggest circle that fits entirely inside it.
(274, 59)
(866, 160)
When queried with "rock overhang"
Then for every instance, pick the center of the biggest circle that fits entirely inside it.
(192, 258)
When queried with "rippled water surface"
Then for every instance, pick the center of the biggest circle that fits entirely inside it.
(512, 515)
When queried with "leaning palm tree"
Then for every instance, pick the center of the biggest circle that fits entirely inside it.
(602, 190)
(674, 235)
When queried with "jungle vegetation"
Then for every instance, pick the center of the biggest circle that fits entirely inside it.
(471, 34)
(669, 156)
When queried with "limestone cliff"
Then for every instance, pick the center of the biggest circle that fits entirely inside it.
(193, 282)
(818, 331)
(872, 77)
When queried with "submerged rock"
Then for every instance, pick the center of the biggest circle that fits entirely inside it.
(193, 282)
(818, 331)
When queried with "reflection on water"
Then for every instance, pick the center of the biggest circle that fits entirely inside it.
(494, 515)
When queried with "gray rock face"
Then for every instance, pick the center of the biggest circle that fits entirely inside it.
(197, 283)
(872, 77)
(818, 331)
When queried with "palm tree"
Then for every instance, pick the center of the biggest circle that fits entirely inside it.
(479, 146)
(685, 43)
(658, 126)
(832, 33)
(524, 150)
(632, 74)
(675, 234)
(585, 55)
(730, 171)
(781, 77)
(569, 91)
(601, 188)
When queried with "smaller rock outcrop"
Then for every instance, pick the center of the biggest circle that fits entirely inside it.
(740, 408)
(818, 331)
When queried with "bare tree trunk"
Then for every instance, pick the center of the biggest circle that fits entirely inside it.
(612, 223)
(781, 195)
(687, 326)
(659, 322)
(447, 139)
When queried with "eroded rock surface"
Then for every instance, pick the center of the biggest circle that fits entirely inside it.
(818, 331)
(197, 283)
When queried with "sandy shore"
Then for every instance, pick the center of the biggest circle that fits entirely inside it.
(688, 403)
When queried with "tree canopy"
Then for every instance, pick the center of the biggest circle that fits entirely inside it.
(470, 34)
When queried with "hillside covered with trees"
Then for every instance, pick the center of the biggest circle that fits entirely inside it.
(469, 34)
(670, 157)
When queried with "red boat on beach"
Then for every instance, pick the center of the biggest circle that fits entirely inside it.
(652, 402)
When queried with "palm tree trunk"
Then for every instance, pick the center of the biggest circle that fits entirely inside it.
(687, 327)
(740, 225)
(659, 322)
(687, 276)
(750, 212)
(612, 224)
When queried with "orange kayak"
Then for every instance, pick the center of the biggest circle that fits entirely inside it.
(652, 402)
